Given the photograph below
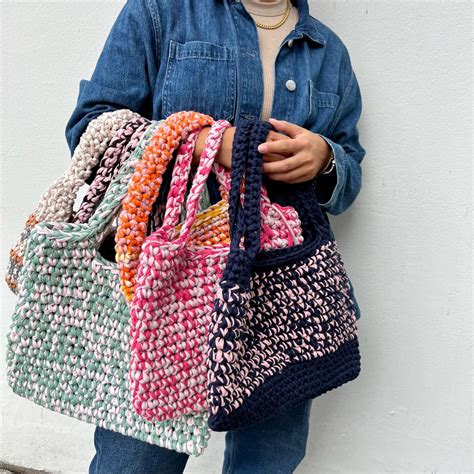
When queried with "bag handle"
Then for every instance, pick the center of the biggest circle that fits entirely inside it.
(143, 190)
(181, 172)
(179, 181)
(239, 151)
(211, 148)
(244, 218)
(120, 147)
(253, 184)
(57, 202)
(100, 221)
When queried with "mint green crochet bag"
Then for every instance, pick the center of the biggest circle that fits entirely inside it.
(68, 343)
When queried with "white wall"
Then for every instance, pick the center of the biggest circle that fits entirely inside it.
(405, 240)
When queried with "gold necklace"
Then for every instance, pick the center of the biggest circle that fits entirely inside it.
(276, 25)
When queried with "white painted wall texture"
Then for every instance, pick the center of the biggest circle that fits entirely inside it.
(405, 241)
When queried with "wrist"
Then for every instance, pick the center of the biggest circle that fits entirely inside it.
(199, 146)
(329, 162)
(224, 154)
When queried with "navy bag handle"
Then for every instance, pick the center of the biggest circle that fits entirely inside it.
(247, 162)
(244, 221)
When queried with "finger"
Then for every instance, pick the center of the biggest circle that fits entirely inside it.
(287, 127)
(283, 166)
(301, 179)
(288, 146)
(274, 136)
(296, 176)
(269, 157)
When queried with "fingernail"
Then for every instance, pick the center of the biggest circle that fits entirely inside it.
(262, 148)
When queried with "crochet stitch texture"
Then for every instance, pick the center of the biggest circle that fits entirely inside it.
(56, 204)
(137, 205)
(68, 343)
(283, 328)
(122, 144)
(175, 287)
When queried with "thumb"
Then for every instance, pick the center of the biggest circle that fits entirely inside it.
(291, 129)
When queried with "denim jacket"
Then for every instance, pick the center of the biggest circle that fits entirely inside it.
(163, 56)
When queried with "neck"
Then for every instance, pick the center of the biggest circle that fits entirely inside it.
(266, 7)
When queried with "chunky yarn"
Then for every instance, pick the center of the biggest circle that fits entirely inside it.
(175, 287)
(68, 343)
(56, 204)
(283, 329)
(144, 187)
(120, 148)
(177, 278)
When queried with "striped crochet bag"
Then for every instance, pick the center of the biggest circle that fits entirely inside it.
(68, 344)
(283, 329)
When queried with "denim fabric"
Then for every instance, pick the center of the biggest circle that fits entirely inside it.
(161, 57)
(276, 445)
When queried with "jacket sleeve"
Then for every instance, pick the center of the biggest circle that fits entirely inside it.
(123, 77)
(337, 190)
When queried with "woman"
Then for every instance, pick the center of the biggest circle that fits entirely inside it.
(260, 59)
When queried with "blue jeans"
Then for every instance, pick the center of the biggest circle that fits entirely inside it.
(274, 446)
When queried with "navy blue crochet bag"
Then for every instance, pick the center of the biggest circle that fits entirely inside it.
(283, 329)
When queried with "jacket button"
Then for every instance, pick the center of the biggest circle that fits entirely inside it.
(290, 43)
(290, 85)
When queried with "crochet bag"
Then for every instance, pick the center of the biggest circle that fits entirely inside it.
(144, 188)
(283, 329)
(68, 344)
(176, 282)
(174, 292)
(57, 202)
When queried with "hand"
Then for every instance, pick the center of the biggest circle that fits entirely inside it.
(305, 154)
(224, 155)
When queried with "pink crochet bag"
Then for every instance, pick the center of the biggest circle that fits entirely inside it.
(174, 293)
(175, 288)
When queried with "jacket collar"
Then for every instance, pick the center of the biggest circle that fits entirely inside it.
(305, 26)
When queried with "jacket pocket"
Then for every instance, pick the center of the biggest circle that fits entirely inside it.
(200, 76)
(323, 106)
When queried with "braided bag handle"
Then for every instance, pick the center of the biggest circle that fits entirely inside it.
(100, 222)
(280, 225)
(244, 217)
(144, 188)
(181, 171)
(56, 204)
(123, 143)
(179, 181)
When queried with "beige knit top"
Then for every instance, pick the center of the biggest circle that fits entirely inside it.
(270, 12)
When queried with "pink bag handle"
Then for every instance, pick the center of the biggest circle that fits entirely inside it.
(181, 171)
(179, 181)
(180, 176)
